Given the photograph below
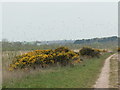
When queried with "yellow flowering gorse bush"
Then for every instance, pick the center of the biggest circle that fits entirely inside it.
(43, 58)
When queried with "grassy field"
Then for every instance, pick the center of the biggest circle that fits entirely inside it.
(27, 47)
(82, 75)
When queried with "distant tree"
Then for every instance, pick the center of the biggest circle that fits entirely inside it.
(94, 40)
(4, 40)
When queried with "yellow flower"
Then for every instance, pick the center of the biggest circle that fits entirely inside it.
(52, 61)
(13, 65)
(10, 69)
(33, 60)
(16, 63)
(45, 56)
(24, 58)
(32, 57)
(24, 62)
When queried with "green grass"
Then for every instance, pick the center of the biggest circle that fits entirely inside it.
(82, 75)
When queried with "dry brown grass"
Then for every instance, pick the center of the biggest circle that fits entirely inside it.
(113, 83)
(7, 57)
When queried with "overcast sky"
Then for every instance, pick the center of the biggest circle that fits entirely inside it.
(59, 21)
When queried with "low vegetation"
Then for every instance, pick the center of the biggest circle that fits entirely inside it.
(81, 75)
(86, 51)
(44, 58)
(53, 68)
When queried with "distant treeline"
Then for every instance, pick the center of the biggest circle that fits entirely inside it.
(109, 42)
(16, 46)
(97, 40)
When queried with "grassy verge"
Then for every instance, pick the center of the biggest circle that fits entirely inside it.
(82, 75)
(113, 72)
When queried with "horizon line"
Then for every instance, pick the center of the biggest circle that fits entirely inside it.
(58, 39)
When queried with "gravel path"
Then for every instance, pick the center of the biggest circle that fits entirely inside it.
(103, 80)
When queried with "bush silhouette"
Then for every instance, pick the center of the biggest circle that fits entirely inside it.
(86, 51)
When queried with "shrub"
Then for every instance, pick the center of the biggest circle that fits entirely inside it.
(62, 49)
(44, 58)
(86, 51)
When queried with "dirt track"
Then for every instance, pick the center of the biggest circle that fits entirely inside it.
(103, 80)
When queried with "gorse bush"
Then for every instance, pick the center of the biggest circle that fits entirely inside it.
(86, 51)
(43, 58)
(62, 49)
